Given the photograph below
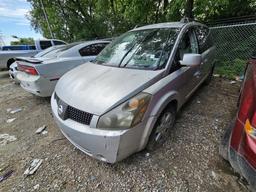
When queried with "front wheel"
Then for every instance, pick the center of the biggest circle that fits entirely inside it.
(162, 128)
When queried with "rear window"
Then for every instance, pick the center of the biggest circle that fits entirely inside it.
(45, 44)
(59, 50)
(58, 43)
(92, 50)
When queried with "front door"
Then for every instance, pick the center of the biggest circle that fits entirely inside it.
(191, 75)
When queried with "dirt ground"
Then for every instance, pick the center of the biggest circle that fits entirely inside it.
(189, 161)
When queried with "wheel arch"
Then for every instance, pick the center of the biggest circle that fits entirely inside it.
(171, 98)
(9, 62)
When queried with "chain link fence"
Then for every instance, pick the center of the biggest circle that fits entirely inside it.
(235, 42)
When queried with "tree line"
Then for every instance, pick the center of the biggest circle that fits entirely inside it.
(73, 20)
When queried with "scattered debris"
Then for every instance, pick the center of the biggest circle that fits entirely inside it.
(6, 175)
(147, 154)
(10, 120)
(92, 178)
(214, 175)
(36, 187)
(232, 82)
(198, 101)
(239, 78)
(8, 110)
(5, 138)
(33, 167)
(15, 110)
(44, 132)
(40, 129)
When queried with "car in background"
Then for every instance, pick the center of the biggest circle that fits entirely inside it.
(17, 47)
(13, 69)
(238, 145)
(128, 97)
(8, 57)
(40, 75)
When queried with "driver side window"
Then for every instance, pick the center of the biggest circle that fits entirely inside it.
(188, 44)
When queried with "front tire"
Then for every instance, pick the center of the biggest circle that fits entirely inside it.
(162, 128)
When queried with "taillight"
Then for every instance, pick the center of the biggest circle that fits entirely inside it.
(27, 69)
(254, 120)
(250, 129)
(248, 96)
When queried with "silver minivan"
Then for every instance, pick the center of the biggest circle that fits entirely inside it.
(128, 97)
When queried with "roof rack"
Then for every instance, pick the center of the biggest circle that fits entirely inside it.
(187, 20)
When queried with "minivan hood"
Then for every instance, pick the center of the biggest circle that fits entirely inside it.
(97, 88)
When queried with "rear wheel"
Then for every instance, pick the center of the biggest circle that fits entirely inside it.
(162, 128)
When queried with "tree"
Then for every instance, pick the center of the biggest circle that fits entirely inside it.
(23, 41)
(189, 9)
(73, 20)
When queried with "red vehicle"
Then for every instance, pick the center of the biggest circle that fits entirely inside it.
(239, 143)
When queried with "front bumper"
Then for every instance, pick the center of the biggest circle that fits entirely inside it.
(36, 85)
(105, 145)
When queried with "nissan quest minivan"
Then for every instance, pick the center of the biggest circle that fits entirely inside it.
(128, 97)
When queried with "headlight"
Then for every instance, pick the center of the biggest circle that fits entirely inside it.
(126, 115)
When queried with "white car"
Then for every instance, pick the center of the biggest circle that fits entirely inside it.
(40, 75)
(13, 70)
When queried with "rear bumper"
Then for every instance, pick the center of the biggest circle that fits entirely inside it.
(242, 166)
(13, 75)
(238, 162)
(36, 85)
(105, 145)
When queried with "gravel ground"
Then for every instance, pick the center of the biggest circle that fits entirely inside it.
(189, 161)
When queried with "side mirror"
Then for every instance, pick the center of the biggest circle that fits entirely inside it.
(191, 59)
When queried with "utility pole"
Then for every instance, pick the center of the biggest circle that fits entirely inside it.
(1, 39)
(46, 18)
(189, 9)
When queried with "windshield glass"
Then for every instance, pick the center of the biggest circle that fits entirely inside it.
(143, 49)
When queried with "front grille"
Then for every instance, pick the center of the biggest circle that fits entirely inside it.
(78, 115)
(73, 113)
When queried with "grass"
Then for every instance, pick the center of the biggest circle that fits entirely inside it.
(230, 69)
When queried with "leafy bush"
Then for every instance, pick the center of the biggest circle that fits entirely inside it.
(230, 69)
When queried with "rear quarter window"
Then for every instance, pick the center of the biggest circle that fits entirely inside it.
(45, 44)
(92, 50)
(58, 43)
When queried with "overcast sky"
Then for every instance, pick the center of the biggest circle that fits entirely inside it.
(13, 20)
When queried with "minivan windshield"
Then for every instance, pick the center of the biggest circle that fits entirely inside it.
(142, 49)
